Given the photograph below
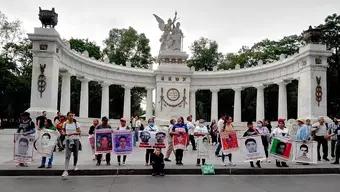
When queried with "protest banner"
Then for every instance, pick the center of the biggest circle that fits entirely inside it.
(252, 148)
(123, 142)
(23, 148)
(103, 141)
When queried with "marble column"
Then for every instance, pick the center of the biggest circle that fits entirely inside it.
(127, 102)
(65, 100)
(149, 104)
(237, 105)
(193, 103)
(105, 99)
(282, 108)
(214, 103)
(260, 103)
(84, 98)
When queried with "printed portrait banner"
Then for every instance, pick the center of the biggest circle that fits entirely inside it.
(229, 141)
(281, 148)
(46, 141)
(103, 141)
(23, 148)
(152, 139)
(305, 152)
(123, 142)
(180, 141)
(252, 148)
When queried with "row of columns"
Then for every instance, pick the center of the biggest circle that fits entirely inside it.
(260, 113)
(65, 104)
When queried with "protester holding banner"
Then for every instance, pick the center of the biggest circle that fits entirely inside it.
(122, 127)
(151, 127)
(48, 126)
(201, 133)
(251, 131)
(265, 136)
(170, 143)
(91, 137)
(72, 131)
(26, 128)
(228, 137)
(191, 129)
(104, 142)
(180, 138)
(282, 132)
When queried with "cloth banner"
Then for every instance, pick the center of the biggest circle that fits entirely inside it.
(91, 141)
(23, 148)
(152, 139)
(123, 142)
(229, 141)
(180, 141)
(305, 152)
(103, 141)
(46, 141)
(252, 148)
(280, 148)
(202, 147)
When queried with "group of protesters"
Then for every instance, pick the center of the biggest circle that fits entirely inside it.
(199, 134)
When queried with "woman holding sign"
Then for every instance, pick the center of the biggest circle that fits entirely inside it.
(123, 127)
(282, 132)
(151, 128)
(201, 133)
(45, 138)
(180, 138)
(251, 143)
(228, 140)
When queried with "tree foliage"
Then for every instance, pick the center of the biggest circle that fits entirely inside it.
(81, 45)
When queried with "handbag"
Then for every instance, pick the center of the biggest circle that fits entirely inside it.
(208, 169)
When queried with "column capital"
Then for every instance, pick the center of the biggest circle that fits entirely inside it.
(282, 82)
(215, 89)
(237, 89)
(64, 73)
(104, 84)
(149, 88)
(260, 86)
(193, 89)
(83, 79)
(128, 86)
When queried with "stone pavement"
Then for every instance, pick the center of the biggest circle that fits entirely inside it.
(136, 160)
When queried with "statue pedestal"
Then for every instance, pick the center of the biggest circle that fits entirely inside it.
(173, 79)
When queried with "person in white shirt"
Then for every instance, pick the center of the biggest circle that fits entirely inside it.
(280, 131)
(170, 144)
(220, 126)
(201, 133)
(151, 127)
(320, 130)
(265, 135)
(191, 128)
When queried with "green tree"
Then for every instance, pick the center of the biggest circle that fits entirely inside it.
(205, 55)
(81, 45)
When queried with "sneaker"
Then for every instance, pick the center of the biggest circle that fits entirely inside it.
(167, 159)
(161, 174)
(146, 164)
(49, 166)
(41, 166)
(258, 164)
(326, 159)
(108, 164)
(335, 163)
(124, 163)
(97, 164)
(224, 164)
(118, 163)
(76, 168)
(65, 174)
(269, 161)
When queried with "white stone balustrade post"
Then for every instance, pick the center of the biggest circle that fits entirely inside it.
(105, 99)
(237, 104)
(149, 104)
(282, 103)
(65, 100)
(214, 103)
(260, 103)
(193, 103)
(84, 98)
(127, 102)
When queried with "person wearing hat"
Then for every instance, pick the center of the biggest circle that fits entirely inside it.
(122, 126)
(303, 132)
(26, 127)
(103, 125)
(280, 131)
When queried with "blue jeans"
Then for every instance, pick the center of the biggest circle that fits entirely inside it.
(50, 160)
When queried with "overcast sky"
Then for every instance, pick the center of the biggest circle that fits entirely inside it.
(232, 23)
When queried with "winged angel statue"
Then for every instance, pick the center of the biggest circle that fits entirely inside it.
(172, 34)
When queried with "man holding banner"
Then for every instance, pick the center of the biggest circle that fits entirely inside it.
(103, 141)
(180, 139)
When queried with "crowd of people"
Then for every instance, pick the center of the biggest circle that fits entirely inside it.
(199, 136)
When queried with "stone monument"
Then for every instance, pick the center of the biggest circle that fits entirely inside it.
(173, 76)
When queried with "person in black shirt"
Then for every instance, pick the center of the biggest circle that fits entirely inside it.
(40, 121)
(251, 132)
(337, 150)
(157, 162)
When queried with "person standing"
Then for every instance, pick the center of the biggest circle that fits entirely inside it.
(56, 119)
(251, 131)
(201, 133)
(26, 127)
(60, 128)
(265, 135)
(303, 132)
(157, 162)
(104, 125)
(72, 132)
(40, 120)
(91, 137)
(191, 129)
(220, 126)
(122, 127)
(336, 133)
(320, 130)
(332, 127)
(177, 129)
(170, 143)
(267, 124)
(213, 132)
(282, 132)
(151, 127)
(227, 128)
(49, 126)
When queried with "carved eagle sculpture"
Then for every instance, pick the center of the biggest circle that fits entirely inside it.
(161, 23)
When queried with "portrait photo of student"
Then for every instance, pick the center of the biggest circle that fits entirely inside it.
(251, 145)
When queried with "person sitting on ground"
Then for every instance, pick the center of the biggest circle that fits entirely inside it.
(157, 162)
